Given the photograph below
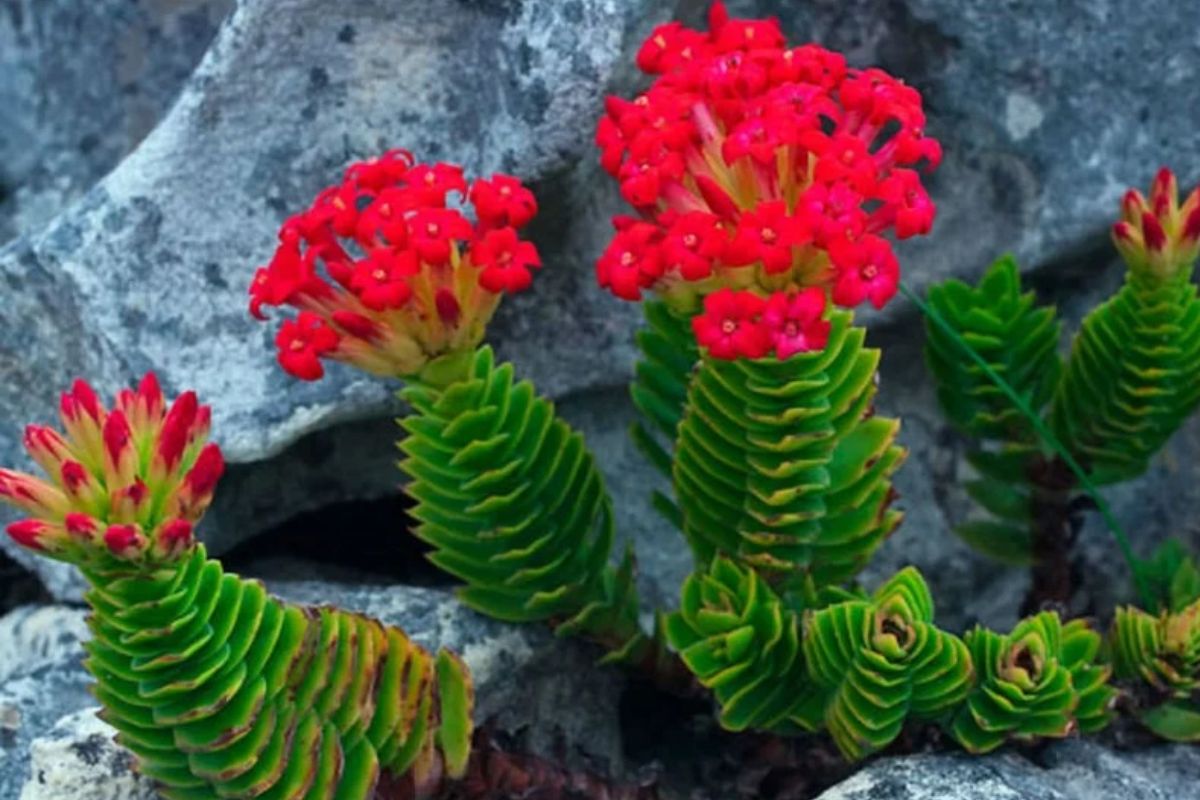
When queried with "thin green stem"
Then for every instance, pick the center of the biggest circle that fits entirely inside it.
(1048, 437)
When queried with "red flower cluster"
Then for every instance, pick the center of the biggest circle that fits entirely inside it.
(1159, 236)
(129, 483)
(740, 324)
(386, 275)
(756, 165)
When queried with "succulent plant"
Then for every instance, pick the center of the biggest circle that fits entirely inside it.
(1162, 653)
(1019, 342)
(733, 631)
(218, 689)
(513, 504)
(882, 660)
(778, 463)
(1040, 680)
(1134, 372)
(391, 279)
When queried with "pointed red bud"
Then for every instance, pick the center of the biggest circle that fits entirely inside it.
(1191, 227)
(1133, 205)
(121, 539)
(80, 525)
(207, 470)
(86, 399)
(1153, 233)
(117, 436)
(177, 429)
(28, 532)
(74, 476)
(46, 446)
(717, 198)
(1164, 191)
(176, 535)
(151, 394)
(448, 308)
(356, 325)
(718, 17)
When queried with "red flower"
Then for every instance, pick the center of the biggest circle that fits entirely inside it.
(506, 260)
(381, 279)
(866, 270)
(431, 184)
(789, 148)
(381, 269)
(632, 261)
(913, 210)
(383, 221)
(766, 234)
(844, 157)
(378, 173)
(651, 165)
(794, 322)
(693, 243)
(832, 212)
(431, 231)
(757, 137)
(503, 201)
(302, 342)
(730, 326)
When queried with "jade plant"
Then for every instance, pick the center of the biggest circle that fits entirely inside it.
(1132, 378)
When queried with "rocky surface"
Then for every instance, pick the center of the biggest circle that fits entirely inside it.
(1073, 770)
(82, 84)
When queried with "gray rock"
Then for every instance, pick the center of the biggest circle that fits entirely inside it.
(35, 636)
(1073, 770)
(150, 268)
(78, 758)
(547, 692)
(81, 84)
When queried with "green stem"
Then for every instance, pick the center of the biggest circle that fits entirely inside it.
(1048, 437)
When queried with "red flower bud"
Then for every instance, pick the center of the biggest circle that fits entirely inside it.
(1153, 233)
(176, 535)
(357, 325)
(123, 541)
(81, 526)
(177, 429)
(29, 533)
(448, 309)
(209, 466)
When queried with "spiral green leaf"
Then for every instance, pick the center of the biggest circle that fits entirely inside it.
(1040, 680)
(514, 506)
(883, 660)
(1133, 376)
(780, 464)
(741, 642)
(1163, 653)
(222, 691)
(1018, 341)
